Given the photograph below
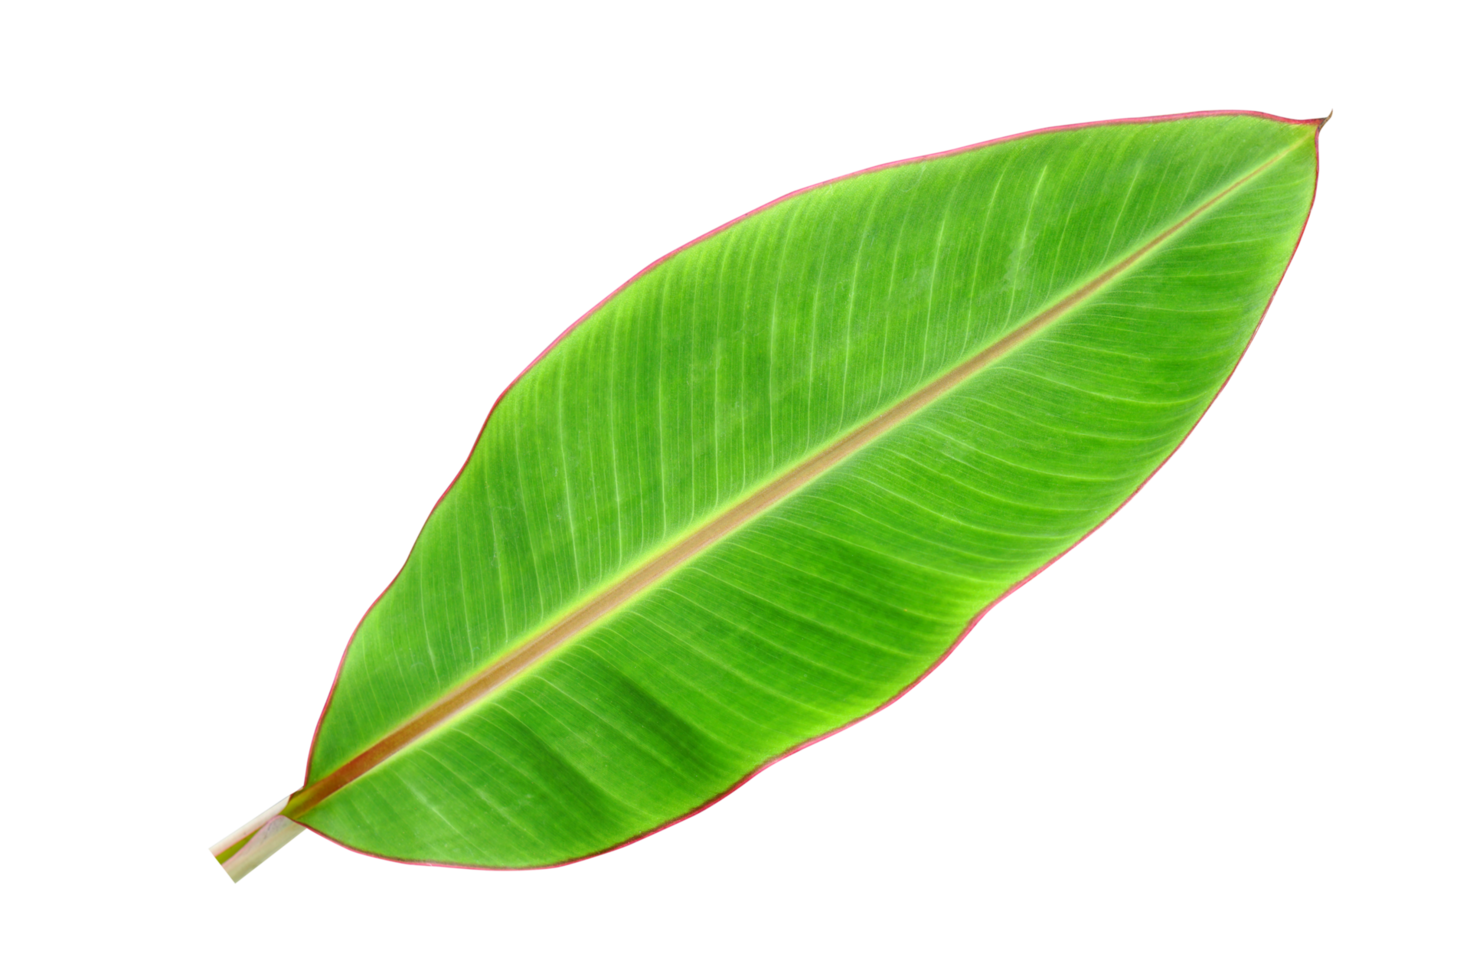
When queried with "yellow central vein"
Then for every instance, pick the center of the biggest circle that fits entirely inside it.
(621, 592)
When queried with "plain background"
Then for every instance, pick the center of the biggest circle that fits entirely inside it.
(365, 279)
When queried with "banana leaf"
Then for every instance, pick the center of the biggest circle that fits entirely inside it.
(764, 487)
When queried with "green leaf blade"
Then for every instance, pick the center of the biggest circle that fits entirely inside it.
(739, 360)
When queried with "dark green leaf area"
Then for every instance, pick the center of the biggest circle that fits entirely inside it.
(740, 358)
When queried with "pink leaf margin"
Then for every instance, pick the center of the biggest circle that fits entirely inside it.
(979, 616)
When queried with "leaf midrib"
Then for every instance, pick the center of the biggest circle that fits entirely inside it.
(621, 592)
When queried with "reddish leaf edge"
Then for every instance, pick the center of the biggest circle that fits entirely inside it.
(975, 621)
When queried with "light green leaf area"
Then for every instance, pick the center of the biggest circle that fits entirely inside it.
(736, 361)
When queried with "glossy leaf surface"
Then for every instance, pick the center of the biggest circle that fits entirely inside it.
(767, 485)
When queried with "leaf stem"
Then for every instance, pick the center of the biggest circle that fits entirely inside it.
(244, 850)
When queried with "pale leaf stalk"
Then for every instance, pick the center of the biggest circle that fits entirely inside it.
(245, 849)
